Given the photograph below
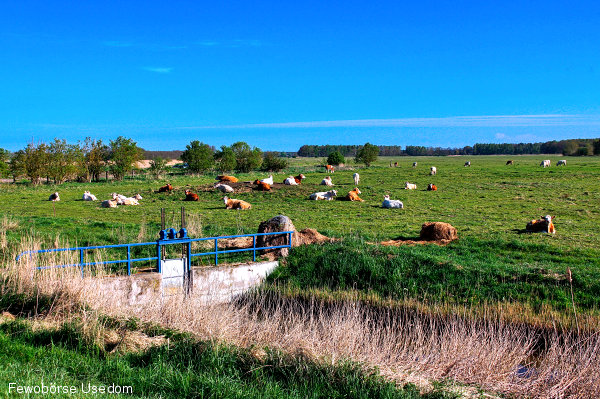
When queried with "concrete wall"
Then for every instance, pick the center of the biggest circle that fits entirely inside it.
(210, 284)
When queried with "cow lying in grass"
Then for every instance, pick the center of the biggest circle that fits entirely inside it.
(431, 187)
(328, 195)
(410, 186)
(227, 179)
(224, 188)
(290, 181)
(111, 203)
(353, 195)
(166, 189)
(88, 197)
(190, 196)
(262, 186)
(389, 203)
(542, 225)
(327, 182)
(54, 197)
(231, 203)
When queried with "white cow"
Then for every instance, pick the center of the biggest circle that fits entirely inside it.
(327, 182)
(388, 203)
(562, 162)
(268, 180)
(433, 171)
(109, 204)
(89, 197)
(356, 178)
(410, 186)
(545, 163)
(224, 188)
(329, 195)
(54, 197)
(290, 181)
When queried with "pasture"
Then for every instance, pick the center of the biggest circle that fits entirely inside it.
(495, 272)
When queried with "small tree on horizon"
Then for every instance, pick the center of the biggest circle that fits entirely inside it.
(123, 153)
(335, 158)
(273, 163)
(198, 156)
(4, 156)
(367, 154)
(158, 166)
(225, 159)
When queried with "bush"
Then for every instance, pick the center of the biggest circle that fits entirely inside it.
(198, 156)
(273, 163)
(335, 158)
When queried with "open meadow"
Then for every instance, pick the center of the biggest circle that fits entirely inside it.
(494, 273)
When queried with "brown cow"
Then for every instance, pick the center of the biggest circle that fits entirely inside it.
(166, 189)
(190, 196)
(353, 195)
(225, 179)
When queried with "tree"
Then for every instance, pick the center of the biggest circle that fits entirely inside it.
(35, 162)
(273, 163)
(62, 160)
(17, 165)
(225, 159)
(198, 156)
(335, 158)
(597, 147)
(4, 156)
(123, 153)
(246, 158)
(367, 154)
(157, 167)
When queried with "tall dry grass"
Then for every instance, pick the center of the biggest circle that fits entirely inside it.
(405, 346)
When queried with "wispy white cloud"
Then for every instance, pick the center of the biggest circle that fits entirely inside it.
(453, 121)
(157, 69)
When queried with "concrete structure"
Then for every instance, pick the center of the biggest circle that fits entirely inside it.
(211, 284)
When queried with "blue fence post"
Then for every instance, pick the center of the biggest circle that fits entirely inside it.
(216, 252)
(189, 256)
(158, 254)
(290, 239)
(128, 260)
(81, 261)
(253, 248)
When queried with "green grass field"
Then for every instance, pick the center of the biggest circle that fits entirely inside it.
(489, 203)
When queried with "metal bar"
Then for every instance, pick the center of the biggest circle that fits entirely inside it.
(158, 257)
(81, 261)
(216, 252)
(129, 261)
(253, 248)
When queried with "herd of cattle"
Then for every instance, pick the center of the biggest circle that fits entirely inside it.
(544, 224)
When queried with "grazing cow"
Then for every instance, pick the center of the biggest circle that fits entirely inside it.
(329, 195)
(190, 196)
(395, 164)
(431, 187)
(111, 203)
(388, 203)
(224, 188)
(89, 197)
(166, 189)
(299, 178)
(353, 195)
(227, 179)
(414, 164)
(562, 162)
(410, 186)
(356, 177)
(327, 182)
(236, 204)
(468, 163)
(542, 225)
(329, 168)
(433, 171)
(138, 197)
(268, 180)
(54, 197)
(262, 186)
(545, 163)
(290, 181)
(510, 162)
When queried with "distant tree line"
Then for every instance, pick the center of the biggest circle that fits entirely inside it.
(345, 150)
(572, 147)
(59, 161)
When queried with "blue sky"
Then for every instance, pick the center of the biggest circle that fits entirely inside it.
(282, 75)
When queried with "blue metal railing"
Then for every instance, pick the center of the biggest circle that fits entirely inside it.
(159, 244)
